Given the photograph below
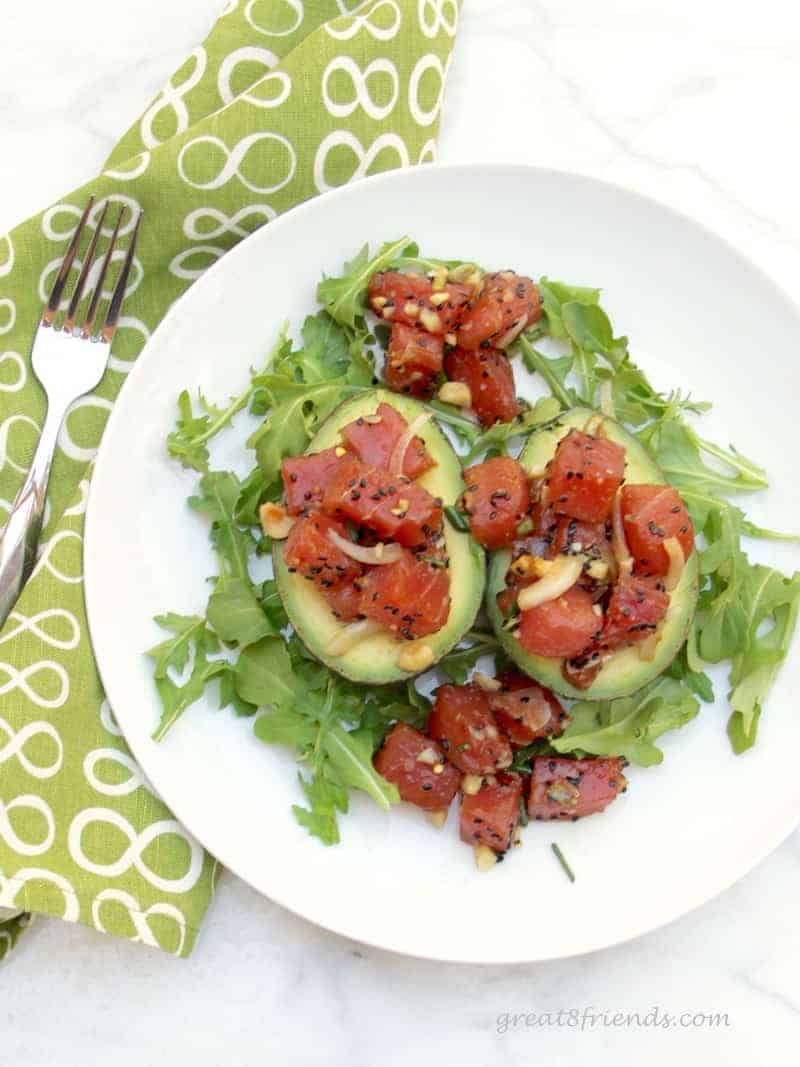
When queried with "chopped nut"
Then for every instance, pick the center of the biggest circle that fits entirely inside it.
(275, 522)
(340, 451)
(475, 279)
(411, 309)
(508, 296)
(450, 338)
(563, 793)
(457, 393)
(430, 321)
(437, 299)
(415, 658)
(491, 685)
(598, 570)
(526, 566)
(485, 858)
(439, 277)
(461, 272)
(438, 768)
(436, 818)
(428, 755)
(471, 784)
(373, 420)
(379, 302)
(597, 609)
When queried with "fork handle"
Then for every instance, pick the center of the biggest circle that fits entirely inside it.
(21, 534)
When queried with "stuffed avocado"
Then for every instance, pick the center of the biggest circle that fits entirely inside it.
(642, 594)
(375, 582)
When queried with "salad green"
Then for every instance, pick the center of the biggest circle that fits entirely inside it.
(747, 612)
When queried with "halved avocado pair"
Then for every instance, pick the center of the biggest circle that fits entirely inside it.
(373, 661)
(625, 671)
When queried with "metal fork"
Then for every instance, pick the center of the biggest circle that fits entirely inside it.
(69, 361)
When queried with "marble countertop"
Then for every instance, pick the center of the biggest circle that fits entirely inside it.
(695, 104)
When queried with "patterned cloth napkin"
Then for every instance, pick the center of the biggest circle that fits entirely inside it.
(284, 100)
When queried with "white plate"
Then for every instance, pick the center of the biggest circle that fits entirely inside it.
(700, 317)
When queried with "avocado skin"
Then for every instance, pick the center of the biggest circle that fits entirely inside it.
(625, 672)
(372, 661)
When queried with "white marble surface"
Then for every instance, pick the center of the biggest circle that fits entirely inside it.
(696, 104)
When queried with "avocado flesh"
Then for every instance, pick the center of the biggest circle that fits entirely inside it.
(373, 660)
(625, 671)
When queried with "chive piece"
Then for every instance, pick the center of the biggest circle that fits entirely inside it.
(523, 812)
(560, 857)
(456, 519)
(525, 527)
(352, 531)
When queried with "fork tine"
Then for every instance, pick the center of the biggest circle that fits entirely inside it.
(49, 313)
(69, 322)
(97, 295)
(109, 327)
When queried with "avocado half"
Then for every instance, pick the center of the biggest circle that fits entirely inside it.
(373, 660)
(625, 671)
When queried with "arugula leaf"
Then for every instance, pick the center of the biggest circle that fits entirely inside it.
(264, 675)
(350, 756)
(555, 295)
(175, 651)
(554, 372)
(219, 494)
(345, 297)
(772, 602)
(496, 437)
(188, 442)
(273, 605)
(466, 428)
(630, 725)
(235, 613)
(636, 402)
(190, 635)
(696, 680)
(679, 451)
(590, 330)
(457, 664)
(325, 799)
(286, 726)
(308, 717)
(253, 491)
(296, 412)
(229, 698)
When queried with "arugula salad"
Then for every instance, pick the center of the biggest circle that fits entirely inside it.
(471, 595)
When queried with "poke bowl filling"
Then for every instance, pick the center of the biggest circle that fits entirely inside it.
(595, 588)
(380, 515)
(374, 579)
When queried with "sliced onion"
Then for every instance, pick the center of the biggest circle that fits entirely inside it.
(564, 573)
(618, 543)
(349, 636)
(398, 456)
(513, 332)
(374, 555)
(672, 547)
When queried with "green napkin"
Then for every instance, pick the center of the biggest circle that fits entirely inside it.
(284, 100)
